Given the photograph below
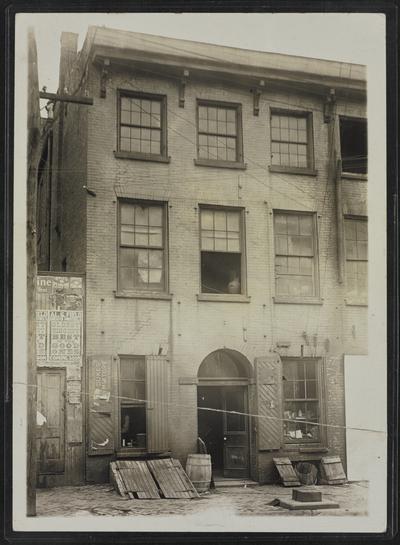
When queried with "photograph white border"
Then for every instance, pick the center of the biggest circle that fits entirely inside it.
(370, 24)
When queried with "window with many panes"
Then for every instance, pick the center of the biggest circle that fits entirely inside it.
(142, 124)
(132, 402)
(291, 142)
(296, 272)
(142, 246)
(219, 132)
(221, 243)
(301, 401)
(356, 244)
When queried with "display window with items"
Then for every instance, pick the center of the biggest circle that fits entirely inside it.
(302, 401)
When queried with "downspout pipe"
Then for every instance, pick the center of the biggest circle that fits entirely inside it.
(339, 220)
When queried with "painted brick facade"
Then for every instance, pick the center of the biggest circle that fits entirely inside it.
(191, 329)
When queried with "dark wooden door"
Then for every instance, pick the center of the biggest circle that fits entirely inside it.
(51, 434)
(236, 433)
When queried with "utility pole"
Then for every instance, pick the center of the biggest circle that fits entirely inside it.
(33, 153)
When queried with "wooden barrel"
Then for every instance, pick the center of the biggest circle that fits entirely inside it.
(198, 468)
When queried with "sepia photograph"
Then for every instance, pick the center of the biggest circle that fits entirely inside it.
(200, 272)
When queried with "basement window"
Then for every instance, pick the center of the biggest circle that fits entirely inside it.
(354, 145)
(221, 251)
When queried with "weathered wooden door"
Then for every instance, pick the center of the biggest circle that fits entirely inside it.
(51, 405)
(236, 433)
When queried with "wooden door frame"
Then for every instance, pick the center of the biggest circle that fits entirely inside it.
(223, 384)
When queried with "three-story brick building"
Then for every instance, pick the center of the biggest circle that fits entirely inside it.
(215, 201)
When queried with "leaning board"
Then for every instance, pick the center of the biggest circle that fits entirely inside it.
(286, 472)
(134, 479)
(171, 478)
(332, 470)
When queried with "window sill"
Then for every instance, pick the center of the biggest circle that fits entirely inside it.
(130, 452)
(143, 295)
(301, 448)
(355, 176)
(355, 303)
(142, 156)
(293, 170)
(298, 300)
(223, 297)
(220, 164)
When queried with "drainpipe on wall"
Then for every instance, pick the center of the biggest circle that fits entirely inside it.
(339, 220)
(335, 169)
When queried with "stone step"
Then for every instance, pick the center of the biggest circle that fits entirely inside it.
(226, 483)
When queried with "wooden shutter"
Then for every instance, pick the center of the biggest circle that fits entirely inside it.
(269, 401)
(157, 407)
(100, 406)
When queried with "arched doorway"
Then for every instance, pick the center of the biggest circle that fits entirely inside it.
(223, 389)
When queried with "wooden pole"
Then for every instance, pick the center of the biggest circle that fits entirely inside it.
(67, 98)
(33, 151)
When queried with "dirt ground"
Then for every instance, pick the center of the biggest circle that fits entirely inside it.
(100, 500)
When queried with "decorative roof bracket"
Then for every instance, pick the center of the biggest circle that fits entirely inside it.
(329, 106)
(256, 96)
(103, 78)
(182, 87)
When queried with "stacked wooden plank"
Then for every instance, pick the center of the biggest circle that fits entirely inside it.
(151, 479)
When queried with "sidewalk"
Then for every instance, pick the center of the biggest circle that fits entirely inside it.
(97, 500)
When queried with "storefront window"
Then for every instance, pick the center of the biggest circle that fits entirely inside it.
(301, 392)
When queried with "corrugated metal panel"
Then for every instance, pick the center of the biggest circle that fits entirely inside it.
(269, 401)
(157, 403)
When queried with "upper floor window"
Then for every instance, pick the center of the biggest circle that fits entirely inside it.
(142, 124)
(219, 136)
(142, 246)
(222, 256)
(295, 254)
(291, 140)
(354, 145)
(356, 237)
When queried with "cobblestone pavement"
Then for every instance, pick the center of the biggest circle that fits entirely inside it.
(98, 500)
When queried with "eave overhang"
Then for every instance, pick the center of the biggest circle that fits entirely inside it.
(230, 73)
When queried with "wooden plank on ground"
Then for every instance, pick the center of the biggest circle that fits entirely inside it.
(332, 470)
(117, 480)
(138, 479)
(186, 482)
(171, 479)
(286, 472)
